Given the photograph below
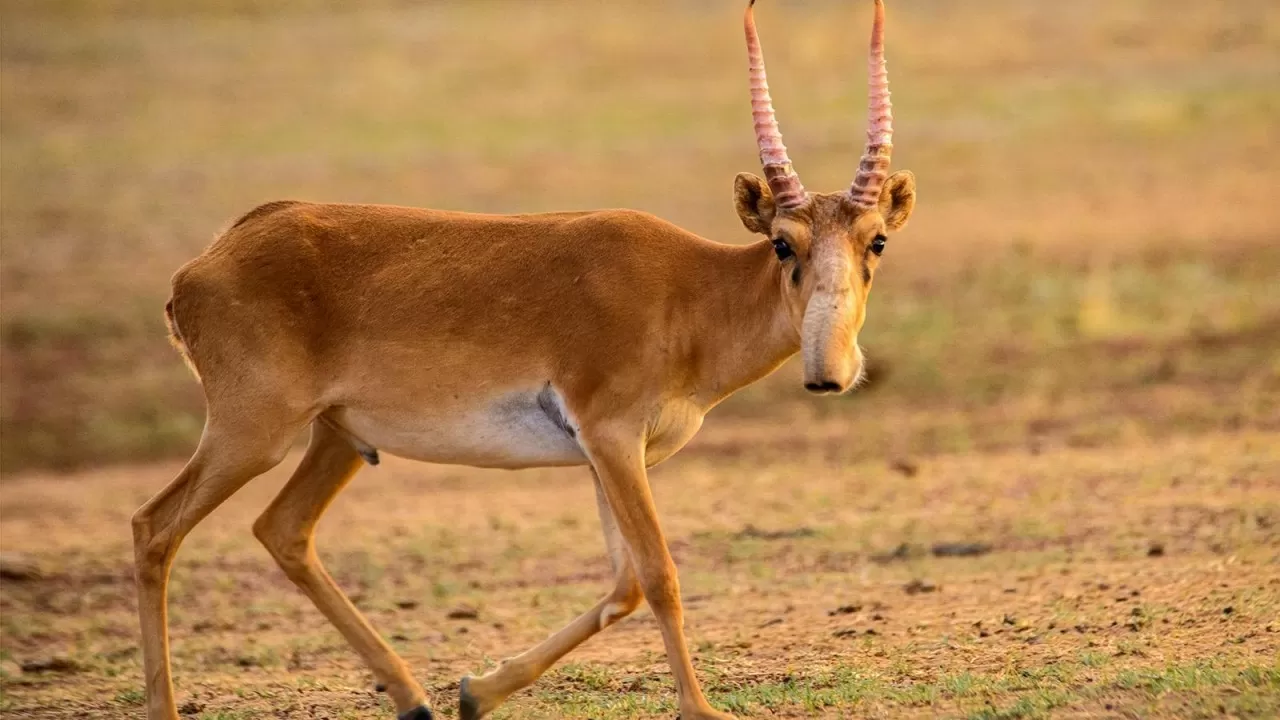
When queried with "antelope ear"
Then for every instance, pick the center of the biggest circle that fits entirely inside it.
(898, 199)
(754, 201)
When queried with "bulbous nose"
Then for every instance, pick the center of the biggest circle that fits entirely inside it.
(824, 387)
(839, 377)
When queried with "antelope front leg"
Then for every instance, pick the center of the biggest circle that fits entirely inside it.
(619, 464)
(480, 695)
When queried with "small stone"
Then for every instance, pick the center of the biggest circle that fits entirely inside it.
(19, 568)
(463, 612)
(190, 707)
(904, 467)
(750, 531)
(844, 610)
(406, 604)
(904, 551)
(960, 549)
(55, 664)
(918, 586)
(1155, 550)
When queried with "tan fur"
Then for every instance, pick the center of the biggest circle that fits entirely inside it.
(175, 339)
(589, 338)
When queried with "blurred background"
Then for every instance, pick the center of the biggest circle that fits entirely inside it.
(1074, 351)
(1094, 254)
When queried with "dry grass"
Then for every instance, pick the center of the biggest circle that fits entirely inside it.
(1099, 133)
(1074, 345)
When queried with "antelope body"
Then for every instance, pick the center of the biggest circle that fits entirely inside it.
(362, 316)
(581, 338)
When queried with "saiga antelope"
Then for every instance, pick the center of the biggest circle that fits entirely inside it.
(574, 338)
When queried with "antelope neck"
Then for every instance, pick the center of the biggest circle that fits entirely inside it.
(741, 330)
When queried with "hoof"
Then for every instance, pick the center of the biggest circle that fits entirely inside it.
(468, 706)
(422, 712)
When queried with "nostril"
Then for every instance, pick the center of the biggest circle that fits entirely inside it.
(826, 386)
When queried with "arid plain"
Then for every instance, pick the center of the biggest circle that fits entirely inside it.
(1059, 496)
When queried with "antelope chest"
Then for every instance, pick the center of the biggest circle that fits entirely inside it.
(675, 424)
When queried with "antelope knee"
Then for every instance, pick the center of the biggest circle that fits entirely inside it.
(290, 553)
(620, 606)
(150, 553)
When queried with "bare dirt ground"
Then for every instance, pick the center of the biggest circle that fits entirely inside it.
(1138, 580)
(1075, 352)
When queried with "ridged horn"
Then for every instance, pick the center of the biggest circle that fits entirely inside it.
(782, 178)
(873, 169)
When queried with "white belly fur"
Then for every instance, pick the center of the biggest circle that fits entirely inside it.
(519, 430)
(513, 431)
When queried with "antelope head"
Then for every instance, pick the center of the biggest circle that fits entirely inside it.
(829, 244)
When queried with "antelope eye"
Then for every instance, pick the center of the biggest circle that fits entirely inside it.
(782, 248)
(877, 245)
